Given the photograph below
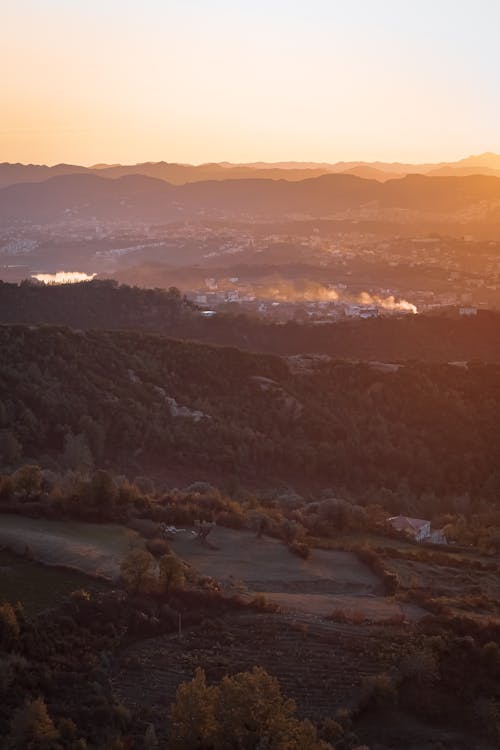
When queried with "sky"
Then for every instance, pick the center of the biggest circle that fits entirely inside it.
(90, 81)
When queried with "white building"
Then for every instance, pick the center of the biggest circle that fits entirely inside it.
(468, 311)
(418, 528)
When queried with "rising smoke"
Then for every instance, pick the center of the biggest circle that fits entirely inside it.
(307, 291)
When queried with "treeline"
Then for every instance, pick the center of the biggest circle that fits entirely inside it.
(423, 439)
(107, 305)
(95, 304)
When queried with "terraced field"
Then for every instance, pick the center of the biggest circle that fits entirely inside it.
(320, 665)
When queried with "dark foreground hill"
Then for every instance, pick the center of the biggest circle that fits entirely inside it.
(106, 305)
(141, 403)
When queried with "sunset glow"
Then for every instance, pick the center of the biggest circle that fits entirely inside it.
(196, 81)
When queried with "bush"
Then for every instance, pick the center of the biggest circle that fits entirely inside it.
(300, 549)
(375, 562)
(158, 547)
(171, 574)
(9, 627)
(137, 571)
(379, 691)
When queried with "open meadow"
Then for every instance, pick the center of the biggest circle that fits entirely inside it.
(95, 549)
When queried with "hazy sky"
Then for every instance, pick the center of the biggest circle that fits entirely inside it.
(208, 80)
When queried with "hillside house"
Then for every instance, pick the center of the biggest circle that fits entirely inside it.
(418, 528)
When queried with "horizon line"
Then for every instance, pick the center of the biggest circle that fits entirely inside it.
(301, 163)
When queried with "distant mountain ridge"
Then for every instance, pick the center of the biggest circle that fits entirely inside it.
(176, 173)
(144, 198)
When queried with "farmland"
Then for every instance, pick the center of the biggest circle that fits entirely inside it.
(95, 549)
(38, 587)
(320, 666)
(326, 582)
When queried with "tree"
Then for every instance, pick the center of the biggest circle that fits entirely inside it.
(137, 570)
(103, 492)
(192, 720)
(94, 434)
(289, 530)
(9, 626)
(33, 729)
(250, 711)
(379, 691)
(77, 453)
(246, 711)
(171, 573)
(28, 480)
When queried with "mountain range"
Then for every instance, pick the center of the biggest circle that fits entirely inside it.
(178, 174)
(142, 198)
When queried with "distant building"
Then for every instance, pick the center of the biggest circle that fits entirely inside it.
(369, 312)
(361, 311)
(468, 311)
(418, 528)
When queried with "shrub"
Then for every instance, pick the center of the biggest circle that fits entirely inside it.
(170, 574)
(379, 691)
(158, 547)
(420, 666)
(375, 562)
(300, 549)
(32, 727)
(137, 571)
(353, 616)
(9, 626)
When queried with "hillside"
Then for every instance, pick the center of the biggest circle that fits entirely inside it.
(106, 305)
(145, 198)
(96, 304)
(142, 404)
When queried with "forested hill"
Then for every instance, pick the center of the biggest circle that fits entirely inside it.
(94, 304)
(106, 305)
(140, 403)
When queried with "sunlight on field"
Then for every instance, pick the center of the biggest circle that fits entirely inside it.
(95, 549)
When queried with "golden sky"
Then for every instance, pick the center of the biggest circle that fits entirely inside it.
(212, 80)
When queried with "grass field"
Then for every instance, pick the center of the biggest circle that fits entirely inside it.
(330, 580)
(38, 586)
(96, 549)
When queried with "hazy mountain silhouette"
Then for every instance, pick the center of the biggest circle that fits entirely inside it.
(178, 174)
(13, 173)
(141, 198)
